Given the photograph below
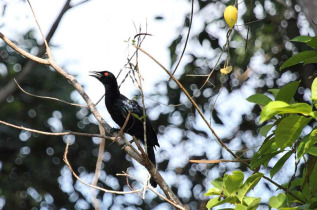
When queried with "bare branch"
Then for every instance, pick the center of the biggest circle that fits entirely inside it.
(45, 42)
(219, 161)
(153, 190)
(93, 186)
(99, 100)
(186, 41)
(98, 166)
(79, 3)
(10, 87)
(56, 134)
(46, 97)
(23, 52)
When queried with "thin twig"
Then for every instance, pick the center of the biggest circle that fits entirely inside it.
(143, 104)
(98, 167)
(246, 41)
(139, 82)
(99, 100)
(186, 41)
(56, 134)
(79, 3)
(45, 42)
(142, 34)
(46, 97)
(127, 142)
(27, 68)
(93, 186)
(153, 190)
(23, 52)
(219, 161)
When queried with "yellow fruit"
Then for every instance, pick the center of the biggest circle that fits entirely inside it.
(226, 70)
(231, 15)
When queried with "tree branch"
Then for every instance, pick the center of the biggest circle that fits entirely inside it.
(93, 186)
(56, 134)
(46, 97)
(10, 87)
(98, 167)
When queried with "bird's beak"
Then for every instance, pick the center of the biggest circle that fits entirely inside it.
(95, 74)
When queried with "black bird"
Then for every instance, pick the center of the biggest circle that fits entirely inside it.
(119, 107)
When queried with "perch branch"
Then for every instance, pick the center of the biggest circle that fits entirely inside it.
(46, 97)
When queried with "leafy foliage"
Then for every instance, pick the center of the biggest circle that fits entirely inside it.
(289, 121)
(231, 189)
(305, 57)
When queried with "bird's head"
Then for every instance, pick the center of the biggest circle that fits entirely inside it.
(106, 77)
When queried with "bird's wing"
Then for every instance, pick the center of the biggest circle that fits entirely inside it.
(133, 106)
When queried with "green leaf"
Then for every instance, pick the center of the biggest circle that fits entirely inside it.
(266, 148)
(312, 151)
(213, 191)
(289, 129)
(307, 143)
(218, 183)
(249, 185)
(314, 91)
(312, 42)
(269, 110)
(138, 117)
(298, 194)
(252, 202)
(241, 207)
(313, 180)
(310, 60)
(263, 160)
(304, 207)
(313, 114)
(232, 182)
(287, 92)
(278, 201)
(297, 108)
(280, 163)
(298, 58)
(260, 99)
(303, 39)
(265, 129)
(274, 92)
(216, 202)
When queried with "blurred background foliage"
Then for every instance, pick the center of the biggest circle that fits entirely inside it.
(33, 175)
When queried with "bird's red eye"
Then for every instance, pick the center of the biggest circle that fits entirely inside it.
(106, 74)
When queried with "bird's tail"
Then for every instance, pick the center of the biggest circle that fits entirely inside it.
(151, 155)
